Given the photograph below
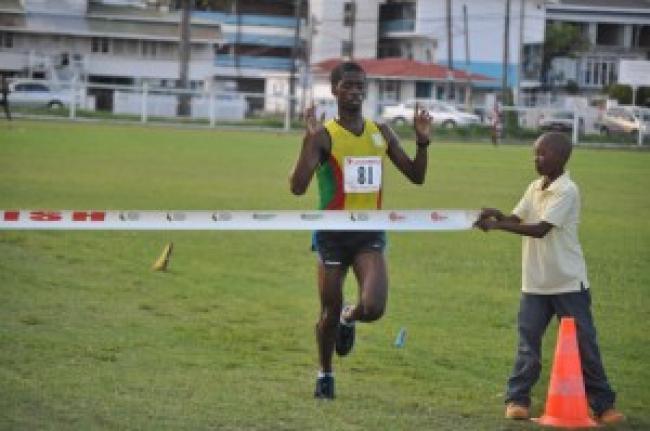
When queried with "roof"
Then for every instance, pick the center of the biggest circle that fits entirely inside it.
(402, 68)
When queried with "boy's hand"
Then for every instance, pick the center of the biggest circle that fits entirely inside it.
(490, 213)
(485, 224)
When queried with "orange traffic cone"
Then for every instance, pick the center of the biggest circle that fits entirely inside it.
(566, 403)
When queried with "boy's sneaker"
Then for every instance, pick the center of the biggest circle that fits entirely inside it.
(517, 411)
(344, 337)
(611, 416)
(324, 388)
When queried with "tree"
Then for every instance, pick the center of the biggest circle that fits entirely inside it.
(561, 40)
(623, 94)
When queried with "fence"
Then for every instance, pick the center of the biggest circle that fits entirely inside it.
(212, 108)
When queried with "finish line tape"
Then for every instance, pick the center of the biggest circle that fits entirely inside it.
(340, 220)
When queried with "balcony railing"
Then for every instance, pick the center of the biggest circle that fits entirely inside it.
(260, 39)
(255, 62)
(247, 19)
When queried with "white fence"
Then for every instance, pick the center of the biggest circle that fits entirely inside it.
(155, 104)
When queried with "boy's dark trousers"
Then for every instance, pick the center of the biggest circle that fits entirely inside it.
(535, 313)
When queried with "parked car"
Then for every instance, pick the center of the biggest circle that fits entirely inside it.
(624, 120)
(36, 94)
(442, 114)
(561, 121)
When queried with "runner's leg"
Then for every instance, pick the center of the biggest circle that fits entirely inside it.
(330, 288)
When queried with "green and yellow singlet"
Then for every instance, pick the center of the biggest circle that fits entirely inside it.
(352, 176)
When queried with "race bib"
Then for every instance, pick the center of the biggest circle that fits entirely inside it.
(362, 174)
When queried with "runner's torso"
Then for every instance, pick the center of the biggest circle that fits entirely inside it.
(352, 175)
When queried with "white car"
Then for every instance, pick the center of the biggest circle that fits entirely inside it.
(36, 94)
(442, 114)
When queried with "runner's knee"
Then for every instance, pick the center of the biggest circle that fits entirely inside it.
(372, 311)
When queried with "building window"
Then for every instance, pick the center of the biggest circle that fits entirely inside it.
(641, 36)
(99, 45)
(440, 92)
(349, 12)
(6, 40)
(389, 90)
(148, 49)
(599, 71)
(461, 94)
(346, 48)
(119, 46)
(609, 35)
(531, 64)
(423, 89)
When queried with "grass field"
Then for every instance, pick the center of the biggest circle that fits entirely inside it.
(90, 338)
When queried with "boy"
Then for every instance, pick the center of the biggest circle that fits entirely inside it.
(554, 278)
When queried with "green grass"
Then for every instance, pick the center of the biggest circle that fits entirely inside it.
(90, 338)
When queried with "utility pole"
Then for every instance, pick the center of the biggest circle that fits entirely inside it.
(184, 59)
(506, 45)
(235, 47)
(450, 51)
(353, 19)
(468, 91)
(522, 15)
(295, 55)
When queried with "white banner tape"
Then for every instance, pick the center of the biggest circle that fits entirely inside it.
(343, 220)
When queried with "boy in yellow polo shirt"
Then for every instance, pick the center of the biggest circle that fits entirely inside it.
(554, 278)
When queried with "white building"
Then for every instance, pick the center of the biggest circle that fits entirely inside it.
(260, 50)
(113, 42)
(417, 30)
(615, 30)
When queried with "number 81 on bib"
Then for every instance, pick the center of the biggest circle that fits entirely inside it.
(362, 174)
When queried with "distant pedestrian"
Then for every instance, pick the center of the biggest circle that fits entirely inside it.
(5, 97)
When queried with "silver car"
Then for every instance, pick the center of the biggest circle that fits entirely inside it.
(442, 114)
(35, 94)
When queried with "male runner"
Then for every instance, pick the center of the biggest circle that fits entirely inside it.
(347, 154)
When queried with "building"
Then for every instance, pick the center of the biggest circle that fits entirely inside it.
(615, 30)
(126, 42)
(263, 43)
(417, 30)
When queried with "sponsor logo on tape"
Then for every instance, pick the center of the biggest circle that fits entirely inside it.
(311, 217)
(222, 216)
(11, 215)
(359, 216)
(395, 216)
(45, 216)
(436, 216)
(176, 216)
(264, 216)
(92, 216)
(129, 216)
